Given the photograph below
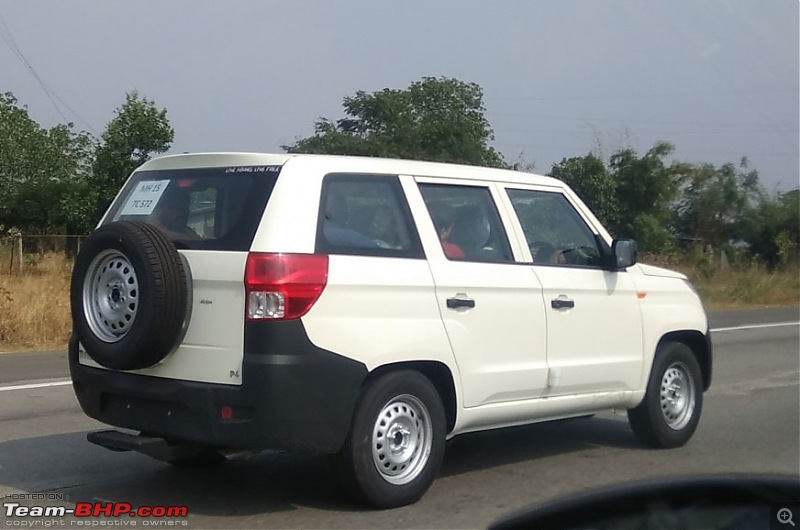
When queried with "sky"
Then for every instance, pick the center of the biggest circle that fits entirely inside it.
(717, 78)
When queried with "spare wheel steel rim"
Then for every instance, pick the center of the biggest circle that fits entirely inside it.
(402, 439)
(110, 295)
(677, 396)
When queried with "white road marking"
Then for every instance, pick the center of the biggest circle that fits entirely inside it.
(757, 326)
(748, 386)
(61, 382)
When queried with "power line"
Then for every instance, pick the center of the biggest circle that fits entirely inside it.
(51, 94)
(586, 130)
(5, 33)
(714, 94)
(589, 120)
(680, 30)
(681, 152)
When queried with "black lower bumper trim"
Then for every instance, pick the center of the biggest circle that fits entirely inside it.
(293, 396)
(157, 448)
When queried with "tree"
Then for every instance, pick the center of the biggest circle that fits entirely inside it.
(715, 201)
(634, 196)
(772, 229)
(436, 119)
(137, 131)
(58, 180)
(646, 191)
(589, 178)
(788, 238)
(37, 166)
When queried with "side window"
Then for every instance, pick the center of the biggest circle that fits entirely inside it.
(366, 215)
(555, 233)
(467, 222)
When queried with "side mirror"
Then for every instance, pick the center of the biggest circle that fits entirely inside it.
(623, 253)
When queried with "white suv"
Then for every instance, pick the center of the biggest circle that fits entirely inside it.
(368, 309)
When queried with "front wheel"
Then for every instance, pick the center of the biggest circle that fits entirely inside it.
(670, 411)
(396, 442)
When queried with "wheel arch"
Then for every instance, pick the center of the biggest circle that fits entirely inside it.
(437, 372)
(699, 344)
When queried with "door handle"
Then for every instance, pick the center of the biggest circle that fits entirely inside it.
(562, 303)
(456, 303)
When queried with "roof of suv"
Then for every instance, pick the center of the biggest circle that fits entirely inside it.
(354, 163)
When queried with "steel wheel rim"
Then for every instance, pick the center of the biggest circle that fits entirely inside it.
(402, 439)
(110, 296)
(677, 396)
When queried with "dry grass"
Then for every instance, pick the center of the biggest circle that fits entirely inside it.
(735, 287)
(35, 312)
(34, 305)
(750, 287)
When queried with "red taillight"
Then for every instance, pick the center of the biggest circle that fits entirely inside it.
(283, 286)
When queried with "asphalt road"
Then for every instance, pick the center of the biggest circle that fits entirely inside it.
(750, 423)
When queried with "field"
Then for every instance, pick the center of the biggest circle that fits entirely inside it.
(35, 312)
(34, 305)
(737, 286)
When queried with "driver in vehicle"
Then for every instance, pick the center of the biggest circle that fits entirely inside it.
(548, 254)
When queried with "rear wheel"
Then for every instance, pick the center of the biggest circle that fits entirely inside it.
(396, 443)
(670, 411)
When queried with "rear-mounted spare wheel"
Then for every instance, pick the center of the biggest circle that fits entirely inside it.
(128, 295)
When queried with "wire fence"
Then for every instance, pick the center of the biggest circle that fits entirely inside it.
(17, 250)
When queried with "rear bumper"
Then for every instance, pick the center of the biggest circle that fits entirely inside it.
(293, 396)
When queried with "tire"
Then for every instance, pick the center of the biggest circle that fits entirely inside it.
(673, 402)
(128, 295)
(407, 404)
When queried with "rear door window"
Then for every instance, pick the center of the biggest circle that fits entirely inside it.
(201, 209)
(467, 222)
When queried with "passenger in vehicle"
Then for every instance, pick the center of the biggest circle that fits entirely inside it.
(335, 227)
(384, 225)
(171, 215)
(444, 219)
(471, 232)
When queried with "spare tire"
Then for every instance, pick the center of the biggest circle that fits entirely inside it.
(129, 295)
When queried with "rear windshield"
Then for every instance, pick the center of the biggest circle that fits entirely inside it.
(200, 209)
